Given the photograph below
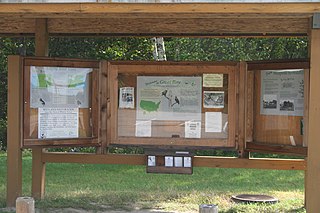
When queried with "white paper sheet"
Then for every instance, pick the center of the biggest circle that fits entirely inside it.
(192, 129)
(143, 128)
(151, 160)
(212, 80)
(58, 123)
(282, 92)
(187, 162)
(213, 122)
(177, 161)
(126, 97)
(168, 161)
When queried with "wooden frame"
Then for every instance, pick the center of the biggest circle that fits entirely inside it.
(88, 116)
(255, 121)
(172, 69)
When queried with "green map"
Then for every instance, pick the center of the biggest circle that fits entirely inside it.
(149, 106)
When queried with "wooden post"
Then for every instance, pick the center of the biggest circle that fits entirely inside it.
(313, 164)
(242, 113)
(25, 205)
(38, 165)
(14, 154)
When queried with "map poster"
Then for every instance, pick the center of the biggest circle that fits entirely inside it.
(169, 98)
(58, 123)
(282, 92)
(59, 87)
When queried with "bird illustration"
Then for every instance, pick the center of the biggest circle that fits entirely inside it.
(42, 102)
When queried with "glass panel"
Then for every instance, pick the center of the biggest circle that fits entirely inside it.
(278, 106)
(58, 102)
(173, 106)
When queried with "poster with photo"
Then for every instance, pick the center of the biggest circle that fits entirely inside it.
(282, 92)
(126, 98)
(213, 99)
(169, 98)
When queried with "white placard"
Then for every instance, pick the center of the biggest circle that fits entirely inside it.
(187, 162)
(126, 98)
(282, 92)
(169, 98)
(143, 128)
(58, 123)
(177, 161)
(59, 87)
(213, 122)
(212, 80)
(192, 129)
(151, 160)
(168, 161)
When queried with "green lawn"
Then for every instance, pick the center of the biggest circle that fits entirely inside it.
(102, 187)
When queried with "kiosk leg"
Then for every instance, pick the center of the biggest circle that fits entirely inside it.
(14, 153)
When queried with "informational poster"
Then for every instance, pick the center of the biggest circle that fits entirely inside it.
(187, 162)
(212, 80)
(143, 128)
(178, 161)
(59, 87)
(58, 123)
(169, 98)
(151, 160)
(126, 98)
(282, 92)
(213, 122)
(213, 99)
(192, 129)
(168, 161)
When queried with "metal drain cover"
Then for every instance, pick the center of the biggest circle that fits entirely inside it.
(249, 198)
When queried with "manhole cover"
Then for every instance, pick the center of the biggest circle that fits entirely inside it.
(254, 198)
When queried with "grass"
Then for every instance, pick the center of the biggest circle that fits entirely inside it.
(103, 187)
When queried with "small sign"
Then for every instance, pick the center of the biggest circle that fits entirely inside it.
(212, 80)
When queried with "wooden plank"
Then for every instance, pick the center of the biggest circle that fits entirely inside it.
(278, 64)
(242, 110)
(29, 143)
(57, 10)
(42, 38)
(103, 101)
(272, 148)
(38, 166)
(313, 171)
(14, 134)
(172, 26)
(17, 25)
(199, 161)
(250, 104)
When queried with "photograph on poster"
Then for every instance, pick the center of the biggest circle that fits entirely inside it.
(286, 105)
(126, 98)
(213, 99)
(270, 101)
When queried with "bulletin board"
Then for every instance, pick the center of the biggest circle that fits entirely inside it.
(170, 104)
(277, 107)
(60, 104)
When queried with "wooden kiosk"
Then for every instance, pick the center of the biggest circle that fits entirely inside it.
(101, 120)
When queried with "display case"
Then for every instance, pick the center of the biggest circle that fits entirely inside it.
(176, 105)
(277, 107)
(60, 102)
